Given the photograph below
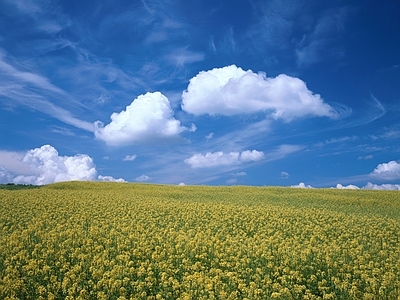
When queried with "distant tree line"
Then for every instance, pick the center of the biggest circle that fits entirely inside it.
(13, 186)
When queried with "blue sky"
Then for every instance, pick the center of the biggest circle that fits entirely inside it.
(287, 93)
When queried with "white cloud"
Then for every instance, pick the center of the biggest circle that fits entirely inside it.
(62, 130)
(284, 175)
(209, 136)
(391, 134)
(148, 117)
(181, 57)
(365, 157)
(348, 187)
(212, 159)
(322, 43)
(231, 90)
(302, 186)
(387, 171)
(5, 175)
(254, 155)
(129, 157)
(215, 159)
(27, 6)
(340, 139)
(12, 162)
(181, 184)
(44, 165)
(239, 174)
(231, 181)
(142, 178)
(21, 86)
(371, 186)
(368, 186)
(282, 151)
(110, 179)
(48, 167)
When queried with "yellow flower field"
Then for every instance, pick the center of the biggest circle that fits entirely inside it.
(87, 240)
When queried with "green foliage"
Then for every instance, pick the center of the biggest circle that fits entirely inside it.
(12, 186)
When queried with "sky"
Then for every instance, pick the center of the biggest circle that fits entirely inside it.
(223, 92)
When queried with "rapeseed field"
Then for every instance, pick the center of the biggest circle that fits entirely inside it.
(86, 240)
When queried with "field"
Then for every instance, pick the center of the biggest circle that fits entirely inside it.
(80, 240)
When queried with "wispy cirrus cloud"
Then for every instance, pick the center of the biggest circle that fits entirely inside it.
(88, 74)
(365, 157)
(274, 25)
(26, 77)
(388, 133)
(24, 87)
(297, 32)
(372, 111)
(46, 18)
(29, 7)
(226, 44)
(129, 157)
(337, 140)
(322, 42)
(182, 56)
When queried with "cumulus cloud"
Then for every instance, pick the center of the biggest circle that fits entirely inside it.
(212, 159)
(5, 175)
(347, 187)
(110, 179)
(215, 159)
(387, 171)
(129, 157)
(254, 155)
(44, 165)
(368, 186)
(148, 117)
(231, 90)
(302, 185)
(11, 161)
(48, 167)
(371, 186)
